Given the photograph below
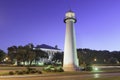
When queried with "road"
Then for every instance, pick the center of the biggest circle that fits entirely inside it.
(58, 76)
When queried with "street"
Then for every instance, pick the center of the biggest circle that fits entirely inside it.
(58, 76)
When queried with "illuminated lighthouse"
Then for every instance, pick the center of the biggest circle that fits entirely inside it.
(70, 53)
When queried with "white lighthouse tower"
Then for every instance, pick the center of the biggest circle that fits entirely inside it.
(70, 53)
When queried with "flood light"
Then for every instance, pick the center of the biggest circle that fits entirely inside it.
(96, 69)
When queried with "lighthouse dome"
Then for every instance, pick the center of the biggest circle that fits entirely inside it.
(70, 14)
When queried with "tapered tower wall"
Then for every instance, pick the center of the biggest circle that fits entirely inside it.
(70, 53)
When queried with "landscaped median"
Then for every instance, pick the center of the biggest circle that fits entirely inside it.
(50, 69)
(28, 70)
(54, 75)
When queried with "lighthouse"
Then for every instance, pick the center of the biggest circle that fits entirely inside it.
(70, 62)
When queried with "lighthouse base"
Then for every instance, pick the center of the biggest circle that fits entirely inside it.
(70, 67)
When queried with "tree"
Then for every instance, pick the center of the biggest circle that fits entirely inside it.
(17, 54)
(34, 55)
(40, 54)
(58, 57)
(31, 56)
(85, 56)
(21, 54)
(88, 56)
(2, 55)
(25, 54)
(12, 52)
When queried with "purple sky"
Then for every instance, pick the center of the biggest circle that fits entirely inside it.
(41, 22)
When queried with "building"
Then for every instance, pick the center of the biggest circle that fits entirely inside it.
(48, 49)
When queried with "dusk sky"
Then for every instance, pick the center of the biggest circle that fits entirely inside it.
(41, 22)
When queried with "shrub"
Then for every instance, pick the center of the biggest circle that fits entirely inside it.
(33, 71)
(39, 72)
(20, 72)
(51, 68)
(30, 69)
(11, 73)
(88, 68)
(27, 72)
(16, 72)
(59, 69)
(24, 72)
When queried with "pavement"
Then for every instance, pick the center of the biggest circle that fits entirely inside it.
(93, 75)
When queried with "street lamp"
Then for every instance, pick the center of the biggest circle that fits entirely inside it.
(95, 59)
(6, 59)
